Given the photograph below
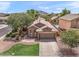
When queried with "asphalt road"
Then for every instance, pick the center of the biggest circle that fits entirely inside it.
(4, 31)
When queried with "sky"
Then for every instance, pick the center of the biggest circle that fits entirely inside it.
(47, 6)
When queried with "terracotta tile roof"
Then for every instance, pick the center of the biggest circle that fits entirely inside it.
(70, 17)
(39, 20)
(54, 17)
(41, 29)
(46, 24)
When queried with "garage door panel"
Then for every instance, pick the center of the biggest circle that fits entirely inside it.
(47, 35)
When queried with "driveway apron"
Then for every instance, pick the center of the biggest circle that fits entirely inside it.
(48, 49)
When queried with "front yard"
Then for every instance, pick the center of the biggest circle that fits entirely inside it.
(23, 50)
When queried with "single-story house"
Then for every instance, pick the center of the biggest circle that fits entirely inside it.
(41, 28)
(3, 20)
(69, 21)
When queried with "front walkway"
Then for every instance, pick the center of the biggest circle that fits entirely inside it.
(48, 49)
(5, 45)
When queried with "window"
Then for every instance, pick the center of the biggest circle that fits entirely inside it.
(39, 25)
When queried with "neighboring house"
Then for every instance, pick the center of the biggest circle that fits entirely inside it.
(69, 21)
(3, 20)
(42, 29)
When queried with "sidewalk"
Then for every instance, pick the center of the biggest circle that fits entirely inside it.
(5, 45)
(3, 26)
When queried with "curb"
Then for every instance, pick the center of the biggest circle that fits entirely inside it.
(3, 37)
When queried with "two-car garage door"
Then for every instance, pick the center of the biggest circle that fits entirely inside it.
(47, 35)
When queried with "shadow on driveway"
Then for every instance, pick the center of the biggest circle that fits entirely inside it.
(45, 40)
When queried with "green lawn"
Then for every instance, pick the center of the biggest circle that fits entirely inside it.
(23, 50)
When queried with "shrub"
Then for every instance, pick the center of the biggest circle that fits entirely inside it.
(9, 34)
(70, 37)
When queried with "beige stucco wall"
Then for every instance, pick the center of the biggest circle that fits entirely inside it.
(78, 24)
(31, 32)
(75, 23)
(64, 24)
(46, 33)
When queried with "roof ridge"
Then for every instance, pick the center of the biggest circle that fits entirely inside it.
(69, 16)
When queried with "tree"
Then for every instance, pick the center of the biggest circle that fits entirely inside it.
(70, 37)
(64, 12)
(46, 16)
(33, 13)
(18, 21)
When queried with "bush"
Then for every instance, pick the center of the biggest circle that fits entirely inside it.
(70, 37)
(8, 35)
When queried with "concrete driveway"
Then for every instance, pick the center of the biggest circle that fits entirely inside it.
(48, 49)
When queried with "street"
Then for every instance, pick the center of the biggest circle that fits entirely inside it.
(4, 30)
